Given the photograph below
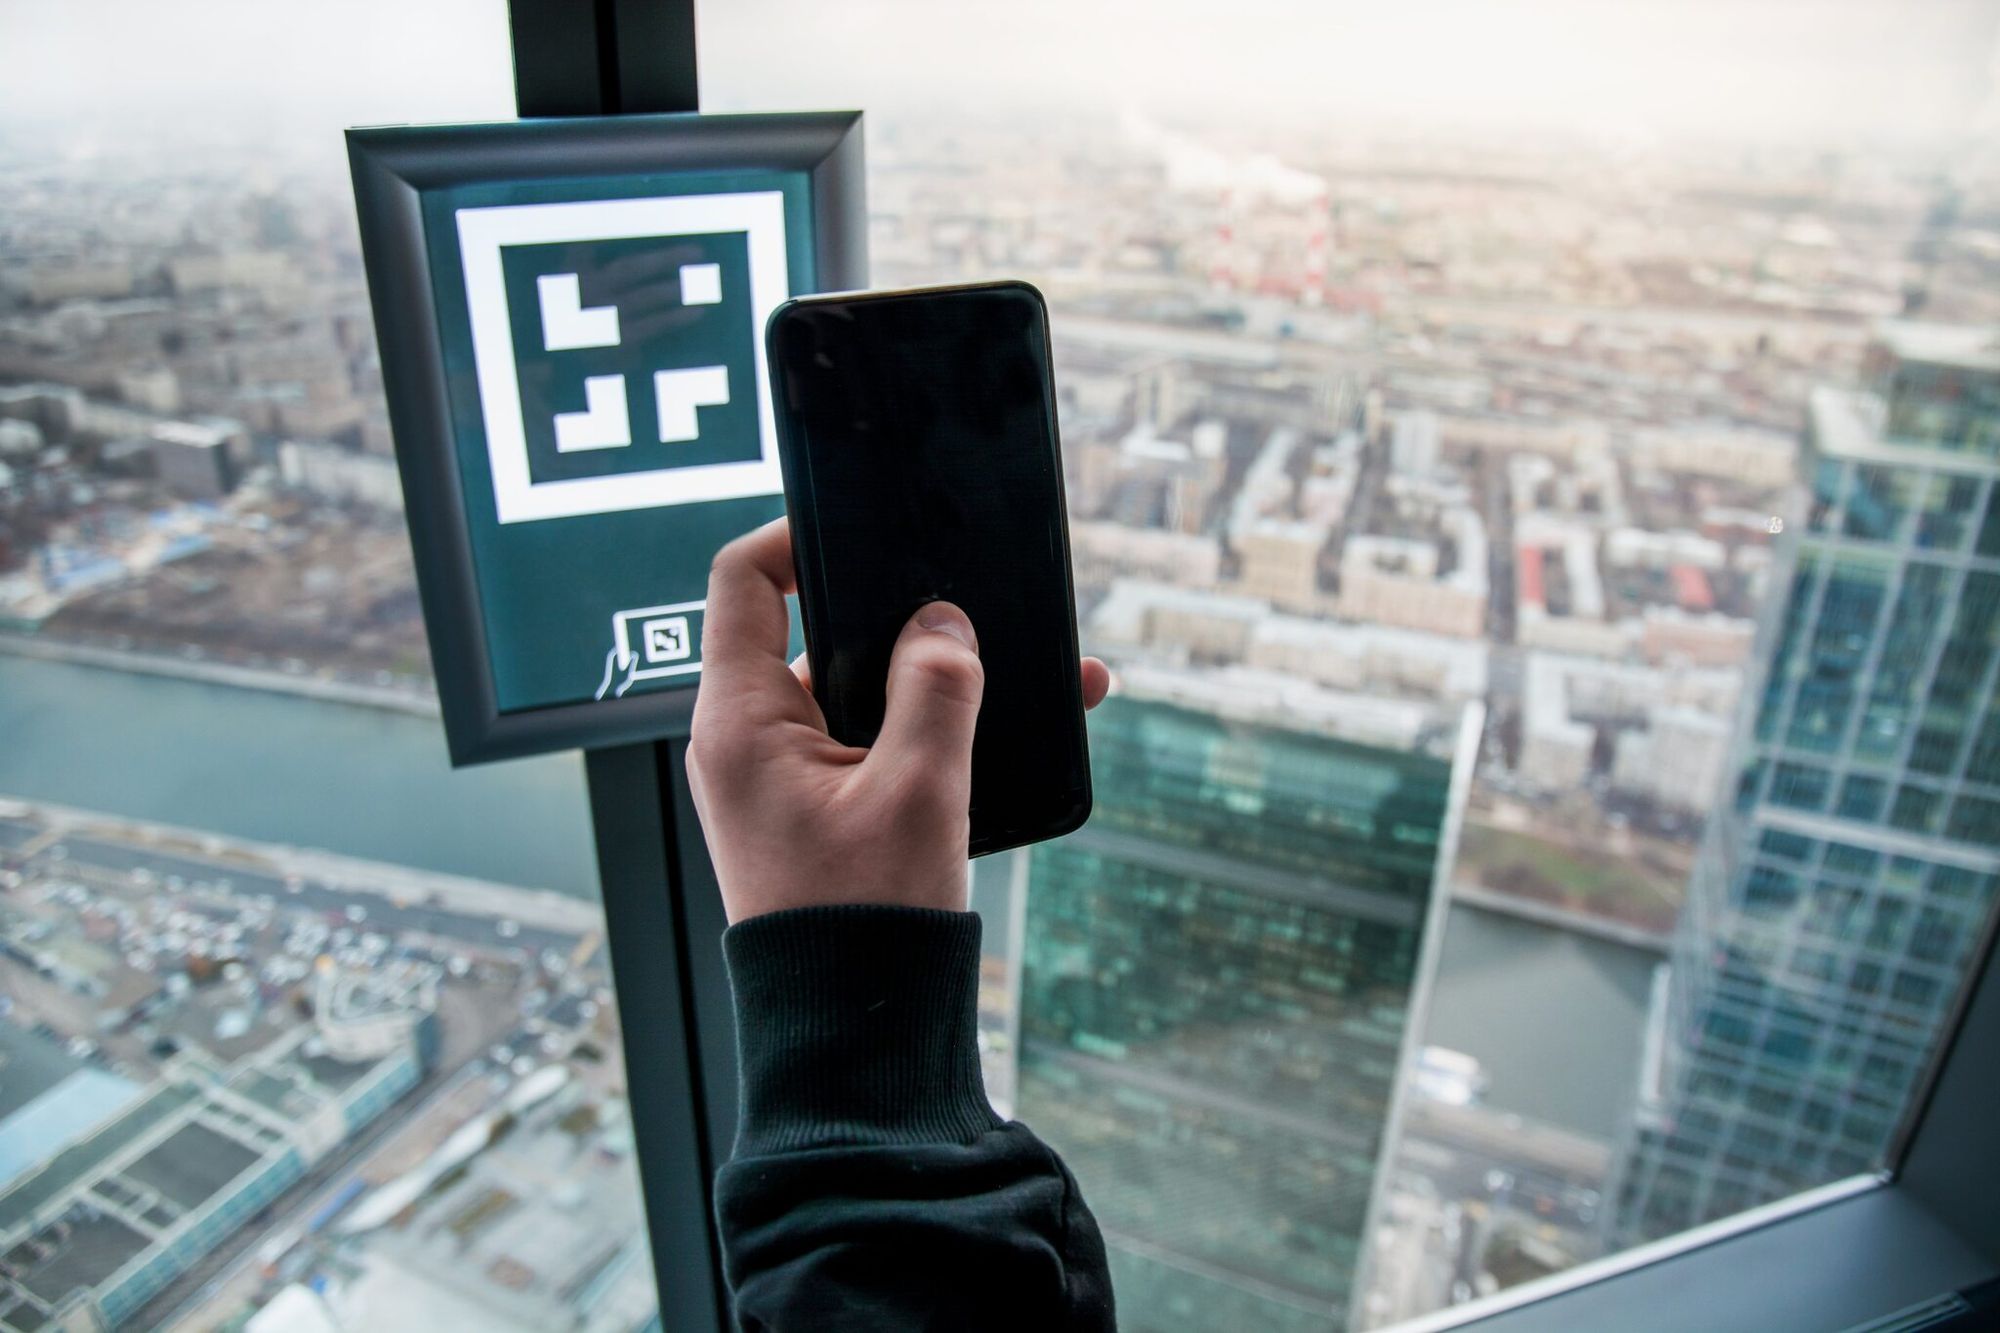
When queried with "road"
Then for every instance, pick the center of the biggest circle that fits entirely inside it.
(1497, 512)
(384, 914)
(1448, 1199)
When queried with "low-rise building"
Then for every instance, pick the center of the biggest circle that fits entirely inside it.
(1376, 659)
(1556, 748)
(1415, 442)
(329, 472)
(1746, 457)
(1638, 548)
(1276, 699)
(1278, 560)
(1668, 635)
(1558, 592)
(1677, 761)
(1401, 581)
(193, 459)
(101, 1225)
(1103, 552)
(1567, 700)
(1180, 622)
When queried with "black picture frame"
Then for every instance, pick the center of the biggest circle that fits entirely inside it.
(393, 167)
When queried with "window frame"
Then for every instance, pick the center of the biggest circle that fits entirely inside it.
(393, 168)
(1922, 1226)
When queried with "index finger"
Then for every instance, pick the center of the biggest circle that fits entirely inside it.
(747, 629)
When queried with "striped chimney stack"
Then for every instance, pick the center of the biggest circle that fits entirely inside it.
(1318, 212)
(1222, 273)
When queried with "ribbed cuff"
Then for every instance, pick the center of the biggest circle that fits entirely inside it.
(857, 1025)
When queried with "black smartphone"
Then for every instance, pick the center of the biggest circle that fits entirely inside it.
(917, 435)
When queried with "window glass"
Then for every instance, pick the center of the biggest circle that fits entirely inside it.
(1901, 666)
(298, 1028)
(1861, 797)
(1850, 603)
(1803, 786)
(1392, 392)
(1989, 526)
(1881, 501)
(1948, 509)
(1483, 458)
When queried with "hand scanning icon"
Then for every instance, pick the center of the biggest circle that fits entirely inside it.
(615, 661)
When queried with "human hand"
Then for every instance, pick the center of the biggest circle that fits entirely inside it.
(794, 818)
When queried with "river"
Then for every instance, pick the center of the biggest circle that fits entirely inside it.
(1555, 1017)
(284, 768)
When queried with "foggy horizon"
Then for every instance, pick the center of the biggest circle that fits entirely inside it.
(1781, 71)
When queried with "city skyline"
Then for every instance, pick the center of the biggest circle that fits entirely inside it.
(1362, 429)
(1873, 71)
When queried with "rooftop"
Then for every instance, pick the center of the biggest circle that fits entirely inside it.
(83, 1248)
(190, 1165)
(1270, 698)
(1462, 661)
(1957, 345)
(26, 1197)
(48, 1100)
(30, 1065)
(1850, 423)
(1122, 613)
(191, 434)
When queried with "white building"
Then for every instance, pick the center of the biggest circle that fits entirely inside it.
(1376, 659)
(1669, 635)
(1677, 761)
(1565, 699)
(1266, 489)
(1728, 453)
(1579, 625)
(1179, 622)
(1415, 442)
(1103, 551)
(332, 473)
(1555, 747)
(1278, 700)
(1278, 560)
(1397, 580)
(1637, 548)
(193, 459)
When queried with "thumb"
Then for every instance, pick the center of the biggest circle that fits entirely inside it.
(935, 684)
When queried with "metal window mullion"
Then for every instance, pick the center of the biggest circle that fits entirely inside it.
(1871, 663)
(1817, 549)
(1982, 704)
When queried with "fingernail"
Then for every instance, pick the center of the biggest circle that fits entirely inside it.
(944, 618)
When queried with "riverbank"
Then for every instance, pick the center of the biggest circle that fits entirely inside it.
(127, 739)
(1552, 1008)
(1561, 918)
(286, 768)
(191, 851)
(220, 673)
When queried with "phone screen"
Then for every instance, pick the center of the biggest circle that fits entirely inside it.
(917, 432)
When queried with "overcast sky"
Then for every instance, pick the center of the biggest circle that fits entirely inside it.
(1823, 69)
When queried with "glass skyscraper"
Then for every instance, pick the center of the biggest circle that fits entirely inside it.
(1215, 984)
(1842, 890)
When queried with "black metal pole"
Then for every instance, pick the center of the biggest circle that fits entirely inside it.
(603, 57)
(662, 909)
(662, 921)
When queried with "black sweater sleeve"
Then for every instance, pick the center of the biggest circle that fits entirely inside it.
(872, 1185)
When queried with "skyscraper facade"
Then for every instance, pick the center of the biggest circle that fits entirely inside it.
(1841, 889)
(1216, 980)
